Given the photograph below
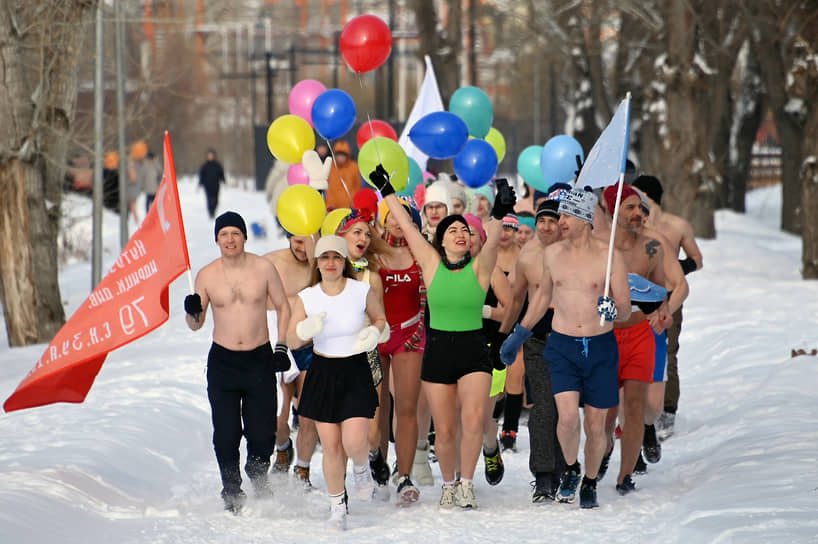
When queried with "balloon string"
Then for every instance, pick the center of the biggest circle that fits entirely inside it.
(344, 183)
(374, 141)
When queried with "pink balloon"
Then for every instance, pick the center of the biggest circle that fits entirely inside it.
(302, 95)
(296, 175)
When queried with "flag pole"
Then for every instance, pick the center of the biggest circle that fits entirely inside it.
(172, 168)
(615, 213)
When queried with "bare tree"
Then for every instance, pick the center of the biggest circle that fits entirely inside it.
(39, 45)
(442, 42)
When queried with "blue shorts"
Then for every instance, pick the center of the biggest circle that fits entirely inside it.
(589, 365)
(302, 357)
(660, 370)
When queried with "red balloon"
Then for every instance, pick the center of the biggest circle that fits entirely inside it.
(365, 43)
(380, 128)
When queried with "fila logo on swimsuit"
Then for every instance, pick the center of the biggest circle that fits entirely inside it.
(398, 278)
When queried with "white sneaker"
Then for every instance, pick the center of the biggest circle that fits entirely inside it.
(364, 485)
(447, 496)
(338, 517)
(464, 495)
(421, 471)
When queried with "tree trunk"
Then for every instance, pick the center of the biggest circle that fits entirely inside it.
(443, 46)
(37, 97)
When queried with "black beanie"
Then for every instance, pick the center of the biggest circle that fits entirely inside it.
(548, 207)
(444, 224)
(230, 219)
(650, 186)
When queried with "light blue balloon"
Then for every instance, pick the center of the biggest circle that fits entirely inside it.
(474, 107)
(528, 166)
(476, 164)
(558, 160)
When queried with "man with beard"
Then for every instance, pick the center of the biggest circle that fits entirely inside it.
(295, 269)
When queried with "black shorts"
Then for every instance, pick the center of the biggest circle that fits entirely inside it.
(451, 355)
(336, 389)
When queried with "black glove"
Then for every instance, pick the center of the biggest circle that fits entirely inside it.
(281, 362)
(688, 265)
(193, 306)
(380, 179)
(504, 201)
(494, 350)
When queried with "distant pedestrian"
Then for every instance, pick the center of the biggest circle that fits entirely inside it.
(211, 175)
(151, 174)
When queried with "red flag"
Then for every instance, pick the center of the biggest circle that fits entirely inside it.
(129, 302)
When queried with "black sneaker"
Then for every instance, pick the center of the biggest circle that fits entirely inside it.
(379, 468)
(508, 440)
(587, 495)
(234, 501)
(544, 488)
(494, 467)
(603, 466)
(626, 486)
(568, 486)
(651, 446)
(640, 467)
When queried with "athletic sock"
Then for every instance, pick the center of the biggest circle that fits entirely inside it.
(302, 464)
(589, 481)
(511, 419)
(284, 446)
(359, 469)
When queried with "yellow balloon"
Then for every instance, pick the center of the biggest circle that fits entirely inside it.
(333, 219)
(394, 159)
(498, 142)
(289, 137)
(301, 210)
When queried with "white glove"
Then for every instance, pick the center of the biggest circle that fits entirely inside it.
(310, 326)
(486, 311)
(367, 339)
(385, 333)
(317, 172)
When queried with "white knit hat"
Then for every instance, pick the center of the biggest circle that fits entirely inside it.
(436, 192)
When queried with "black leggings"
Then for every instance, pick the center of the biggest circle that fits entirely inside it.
(241, 389)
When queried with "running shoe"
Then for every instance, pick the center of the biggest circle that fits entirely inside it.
(651, 446)
(363, 484)
(284, 458)
(664, 425)
(544, 488)
(626, 486)
(464, 495)
(568, 486)
(380, 470)
(338, 515)
(641, 467)
(421, 471)
(303, 475)
(234, 502)
(603, 466)
(508, 440)
(407, 492)
(494, 467)
(447, 494)
(587, 496)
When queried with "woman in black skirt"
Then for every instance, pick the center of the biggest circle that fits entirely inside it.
(338, 390)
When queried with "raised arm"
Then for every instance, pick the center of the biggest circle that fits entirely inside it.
(503, 204)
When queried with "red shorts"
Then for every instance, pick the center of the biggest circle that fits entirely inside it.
(399, 335)
(637, 352)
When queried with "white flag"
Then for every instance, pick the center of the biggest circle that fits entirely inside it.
(428, 101)
(606, 161)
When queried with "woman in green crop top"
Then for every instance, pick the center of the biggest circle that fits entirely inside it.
(456, 369)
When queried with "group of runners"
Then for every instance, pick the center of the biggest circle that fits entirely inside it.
(403, 314)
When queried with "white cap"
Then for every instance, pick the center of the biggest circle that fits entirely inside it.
(331, 242)
(436, 192)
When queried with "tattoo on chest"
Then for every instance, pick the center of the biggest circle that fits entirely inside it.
(651, 248)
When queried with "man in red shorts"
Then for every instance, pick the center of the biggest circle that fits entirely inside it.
(634, 337)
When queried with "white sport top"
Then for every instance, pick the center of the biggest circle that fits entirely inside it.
(345, 317)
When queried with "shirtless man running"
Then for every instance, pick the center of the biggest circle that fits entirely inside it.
(241, 365)
(680, 235)
(582, 354)
(295, 269)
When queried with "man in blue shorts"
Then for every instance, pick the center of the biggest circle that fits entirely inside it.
(582, 353)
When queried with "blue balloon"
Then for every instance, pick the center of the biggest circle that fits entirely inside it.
(476, 164)
(558, 160)
(333, 113)
(528, 166)
(440, 134)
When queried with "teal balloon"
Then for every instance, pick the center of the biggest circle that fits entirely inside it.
(415, 178)
(528, 166)
(474, 107)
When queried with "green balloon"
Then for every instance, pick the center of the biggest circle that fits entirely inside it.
(384, 151)
(474, 107)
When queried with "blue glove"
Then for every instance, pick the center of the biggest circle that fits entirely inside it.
(606, 308)
(509, 349)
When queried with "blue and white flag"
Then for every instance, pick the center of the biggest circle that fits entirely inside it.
(428, 101)
(606, 161)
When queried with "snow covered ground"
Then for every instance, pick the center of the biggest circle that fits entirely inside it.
(134, 463)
